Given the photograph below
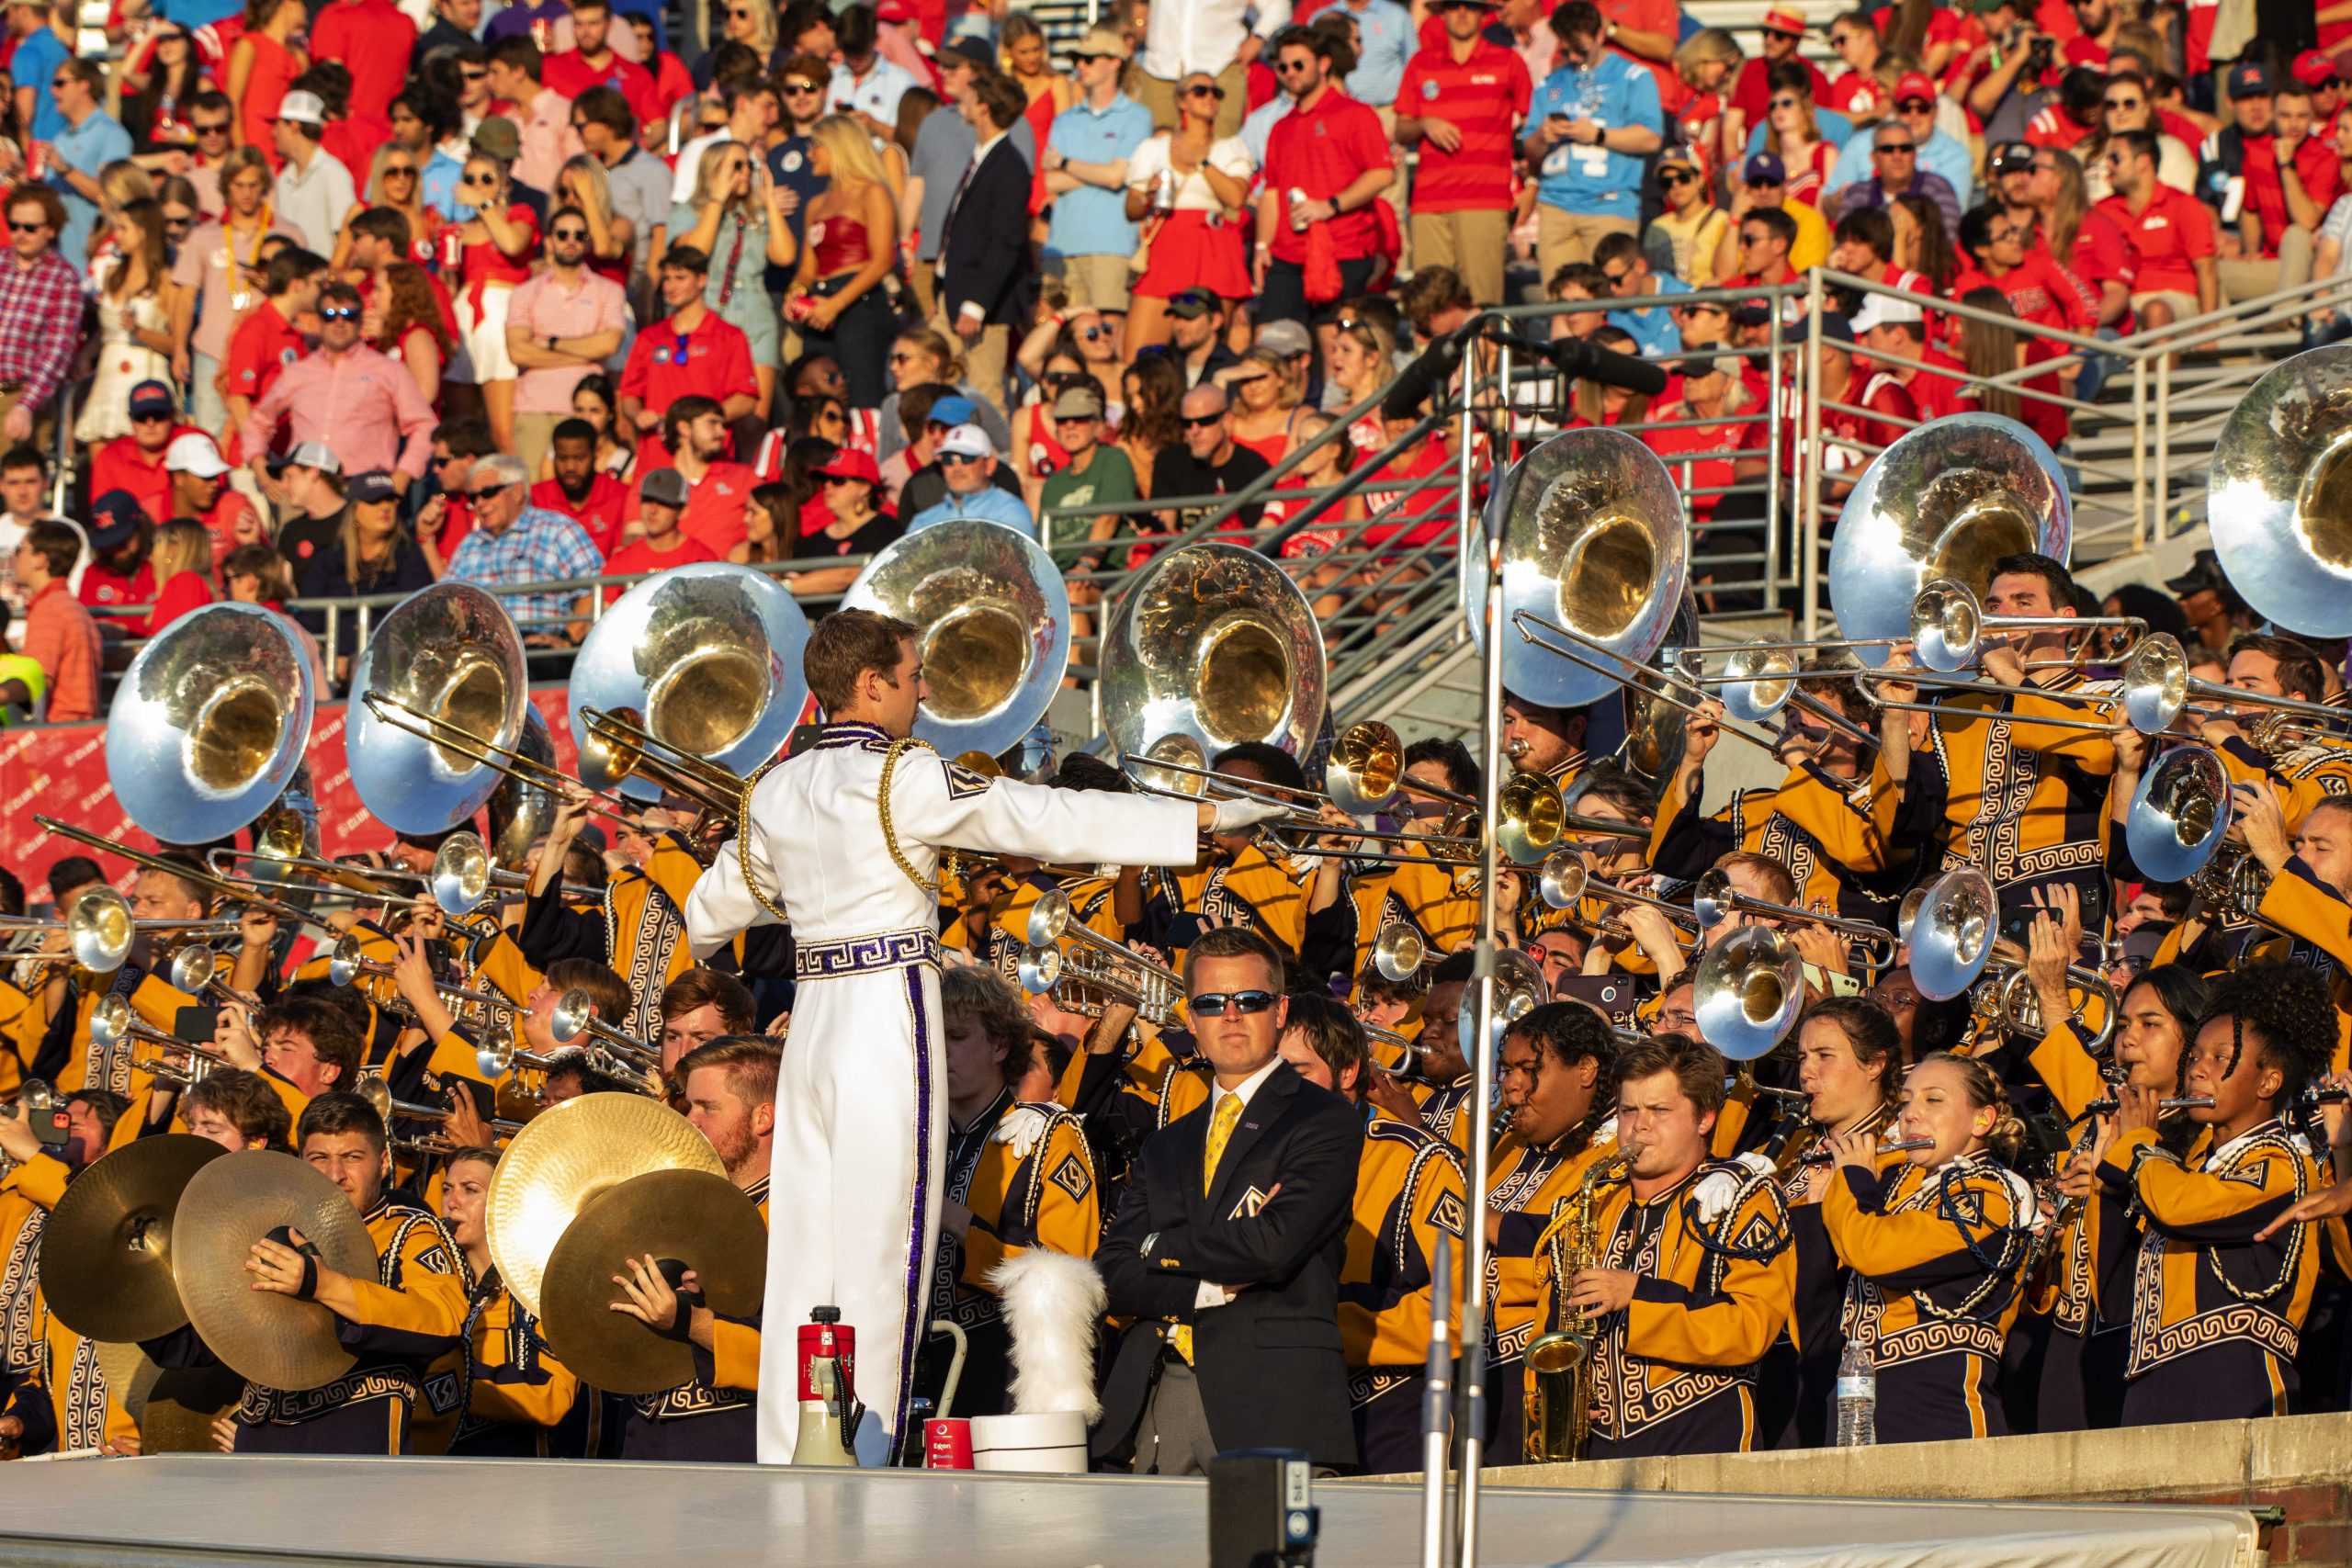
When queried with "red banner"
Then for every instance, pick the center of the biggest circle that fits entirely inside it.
(62, 773)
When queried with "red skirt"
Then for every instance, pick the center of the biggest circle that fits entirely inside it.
(1190, 251)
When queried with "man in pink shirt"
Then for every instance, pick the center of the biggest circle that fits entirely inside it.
(363, 407)
(542, 114)
(59, 635)
(560, 326)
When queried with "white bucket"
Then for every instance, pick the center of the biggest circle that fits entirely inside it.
(1053, 1444)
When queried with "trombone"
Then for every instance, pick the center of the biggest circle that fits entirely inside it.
(1565, 881)
(1152, 989)
(112, 1024)
(346, 965)
(98, 928)
(508, 759)
(195, 969)
(1714, 900)
(1948, 624)
(619, 741)
(222, 887)
(1285, 795)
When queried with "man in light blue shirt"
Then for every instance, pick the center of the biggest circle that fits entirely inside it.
(966, 461)
(1385, 41)
(1646, 317)
(1940, 153)
(91, 140)
(1259, 124)
(1086, 156)
(39, 50)
(1591, 123)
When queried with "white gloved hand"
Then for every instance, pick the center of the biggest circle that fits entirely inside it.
(1754, 1162)
(1234, 816)
(1020, 1128)
(1715, 1194)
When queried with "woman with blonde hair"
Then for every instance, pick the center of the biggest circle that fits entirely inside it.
(499, 243)
(1266, 415)
(852, 242)
(137, 302)
(735, 220)
(1022, 56)
(182, 561)
(582, 183)
(750, 23)
(1795, 135)
(922, 356)
(395, 181)
(1705, 62)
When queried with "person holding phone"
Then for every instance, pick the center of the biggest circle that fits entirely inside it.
(497, 245)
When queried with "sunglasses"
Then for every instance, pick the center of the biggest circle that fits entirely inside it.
(338, 312)
(569, 234)
(1205, 91)
(1753, 238)
(1289, 66)
(1675, 178)
(1246, 380)
(486, 491)
(1917, 106)
(220, 130)
(1093, 334)
(802, 87)
(163, 418)
(1069, 419)
(399, 171)
(1202, 421)
(1896, 147)
(1212, 1004)
(1784, 103)
(473, 75)
(179, 225)
(2124, 103)
(957, 460)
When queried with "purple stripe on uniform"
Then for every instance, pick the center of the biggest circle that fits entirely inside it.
(912, 1334)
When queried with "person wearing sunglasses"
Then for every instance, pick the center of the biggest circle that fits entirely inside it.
(1935, 154)
(562, 323)
(91, 140)
(1895, 171)
(353, 401)
(1326, 162)
(1197, 1371)
(1591, 123)
(1189, 187)
(1459, 102)
(2129, 106)
(1086, 161)
(967, 461)
(1795, 131)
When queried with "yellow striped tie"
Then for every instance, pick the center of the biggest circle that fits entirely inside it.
(1221, 1121)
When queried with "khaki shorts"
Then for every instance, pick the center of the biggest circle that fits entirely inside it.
(1564, 237)
(1471, 244)
(2184, 306)
(1096, 283)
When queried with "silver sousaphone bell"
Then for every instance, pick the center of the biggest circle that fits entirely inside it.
(440, 682)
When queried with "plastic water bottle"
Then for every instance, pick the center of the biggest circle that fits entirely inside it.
(1857, 1399)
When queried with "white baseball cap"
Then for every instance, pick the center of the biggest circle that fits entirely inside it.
(967, 441)
(1886, 310)
(305, 107)
(194, 453)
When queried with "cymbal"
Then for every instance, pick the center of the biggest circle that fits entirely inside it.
(174, 1406)
(701, 1220)
(233, 1203)
(565, 1156)
(106, 1254)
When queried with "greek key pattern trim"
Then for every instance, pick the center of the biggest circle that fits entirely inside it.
(864, 954)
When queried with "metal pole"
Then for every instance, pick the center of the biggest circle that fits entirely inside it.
(2139, 451)
(1774, 384)
(1482, 1063)
(1809, 463)
(1462, 491)
(1435, 1400)
(2163, 448)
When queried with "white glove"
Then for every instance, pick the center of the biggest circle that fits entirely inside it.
(1020, 1128)
(1233, 816)
(1715, 1194)
(1754, 1162)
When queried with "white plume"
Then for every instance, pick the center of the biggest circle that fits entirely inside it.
(1052, 1305)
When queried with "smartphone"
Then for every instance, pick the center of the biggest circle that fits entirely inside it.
(197, 1023)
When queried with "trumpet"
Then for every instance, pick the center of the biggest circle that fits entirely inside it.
(1714, 900)
(98, 930)
(1890, 1147)
(624, 1055)
(1566, 883)
(378, 1093)
(195, 969)
(346, 965)
(2020, 1010)
(112, 1024)
(1411, 1048)
(1151, 989)
(463, 875)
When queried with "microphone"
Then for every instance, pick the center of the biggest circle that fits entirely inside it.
(1435, 366)
(1578, 357)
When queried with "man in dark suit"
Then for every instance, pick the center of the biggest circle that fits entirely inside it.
(984, 240)
(1228, 1247)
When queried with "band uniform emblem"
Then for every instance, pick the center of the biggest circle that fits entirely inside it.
(1251, 1202)
(1070, 1175)
(1447, 1215)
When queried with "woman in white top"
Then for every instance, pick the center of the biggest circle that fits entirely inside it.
(1195, 187)
(135, 296)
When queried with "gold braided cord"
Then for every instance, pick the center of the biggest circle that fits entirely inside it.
(743, 840)
(889, 830)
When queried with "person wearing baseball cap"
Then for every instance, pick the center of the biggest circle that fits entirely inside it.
(1764, 187)
(1936, 152)
(134, 462)
(314, 190)
(1085, 161)
(1893, 328)
(200, 489)
(847, 519)
(968, 459)
(1782, 30)
(1098, 472)
(119, 535)
(1848, 381)
(661, 500)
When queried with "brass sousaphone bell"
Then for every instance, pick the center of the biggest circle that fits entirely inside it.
(992, 619)
(1213, 646)
(2280, 500)
(209, 723)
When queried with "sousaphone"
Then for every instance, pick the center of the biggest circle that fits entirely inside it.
(442, 679)
(1213, 646)
(992, 619)
(2280, 498)
(1945, 501)
(209, 723)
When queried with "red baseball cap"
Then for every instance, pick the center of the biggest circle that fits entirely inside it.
(894, 11)
(849, 463)
(1779, 21)
(1914, 85)
(2311, 68)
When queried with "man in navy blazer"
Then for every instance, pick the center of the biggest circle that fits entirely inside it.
(984, 267)
(1227, 1248)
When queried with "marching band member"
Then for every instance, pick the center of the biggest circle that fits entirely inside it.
(729, 1089)
(1441, 901)
(61, 1403)
(1685, 1287)
(1850, 1062)
(406, 1325)
(842, 849)
(1227, 1250)
(1935, 1247)
(2080, 1381)
(1019, 1173)
(2309, 773)
(1246, 877)
(1538, 739)
(445, 1060)
(1408, 1189)
(1557, 1074)
(698, 1006)
(1446, 1111)
(2216, 1292)
(521, 1402)
(640, 931)
(238, 1109)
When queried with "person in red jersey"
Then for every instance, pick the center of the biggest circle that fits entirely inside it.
(692, 353)
(581, 490)
(1460, 102)
(2171, 236)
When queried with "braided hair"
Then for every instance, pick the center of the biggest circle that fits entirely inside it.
(1984, 1091)
(2292, 1018)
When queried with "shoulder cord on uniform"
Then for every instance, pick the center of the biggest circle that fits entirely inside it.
(743, 832)
(1696, 1224)
(1953, 1201)
(889, 828)
(2290, 1255)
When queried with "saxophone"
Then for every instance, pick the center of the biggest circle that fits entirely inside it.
(1559, 1361)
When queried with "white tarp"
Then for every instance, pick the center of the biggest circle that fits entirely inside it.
(523, 1514)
